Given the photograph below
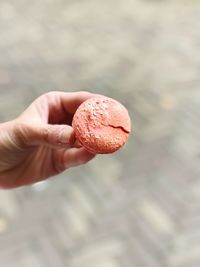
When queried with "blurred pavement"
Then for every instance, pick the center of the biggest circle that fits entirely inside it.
(143, 211)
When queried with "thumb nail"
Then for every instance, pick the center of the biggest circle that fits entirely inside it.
(66, 136)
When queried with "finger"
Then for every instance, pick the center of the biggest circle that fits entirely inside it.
(64, 159)
(49, 135)
(71, 101)
(58, 107)
(76, 156)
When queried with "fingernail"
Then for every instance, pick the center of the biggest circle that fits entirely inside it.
(67, 137)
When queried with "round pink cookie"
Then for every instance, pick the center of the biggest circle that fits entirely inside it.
(102, 125)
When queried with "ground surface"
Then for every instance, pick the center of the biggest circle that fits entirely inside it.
(139, 207)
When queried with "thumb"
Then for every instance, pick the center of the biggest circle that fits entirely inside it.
(52, 135)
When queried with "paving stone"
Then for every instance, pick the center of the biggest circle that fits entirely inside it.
(140, 206)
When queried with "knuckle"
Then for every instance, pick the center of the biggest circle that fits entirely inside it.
(48, 95)
(84, 92)
(45, 133)
(58, 163)
(21, 134)
(83, 161)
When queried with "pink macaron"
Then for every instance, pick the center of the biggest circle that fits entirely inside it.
(101, 124)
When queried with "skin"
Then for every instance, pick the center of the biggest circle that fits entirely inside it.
(40, 142)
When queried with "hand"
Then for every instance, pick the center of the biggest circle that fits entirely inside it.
(40, 142)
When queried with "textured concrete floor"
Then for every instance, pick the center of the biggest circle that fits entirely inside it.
(144, 210)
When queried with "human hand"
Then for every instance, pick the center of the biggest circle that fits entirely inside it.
(40, 142)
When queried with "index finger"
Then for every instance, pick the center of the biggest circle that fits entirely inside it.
(71, 101)
(61, 106)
